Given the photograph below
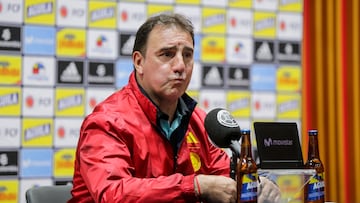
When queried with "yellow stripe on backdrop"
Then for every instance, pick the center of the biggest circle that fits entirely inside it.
(333, 88)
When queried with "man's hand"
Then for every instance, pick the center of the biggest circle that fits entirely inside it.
(223, 189)
(268, 192)
(217, 188)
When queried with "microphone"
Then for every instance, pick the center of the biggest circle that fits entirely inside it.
(223, 130)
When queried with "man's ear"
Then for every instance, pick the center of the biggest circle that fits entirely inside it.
(138, 60)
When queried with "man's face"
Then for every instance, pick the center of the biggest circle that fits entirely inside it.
(165, 70)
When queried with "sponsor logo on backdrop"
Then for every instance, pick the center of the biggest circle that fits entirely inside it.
(289, 26)
(10, 70)
(9, 191)
(70, 72)
(69, 102)
(214, 20)
(40, 12)
(9, 163)
(39, 9)
(238, 103)
(213, 48)
(210, 99)
(39, 71)
(263, 77)
(213, 76)
(95, 95)
(71, 42)
(238, 77)
(67, 131)
(101, 73)
(264, 51)
(126, 44)
(37, 132)
(64, 162)
(10, 38)
(193, 13)
(130, 16)
(10, 132)
(10, 98)
(289, 106)
(102, 14)
(38, 102)
(289, 52)
(264, 24)
(239, 50)
(239, 22)
(71, 14)
(36, 162)
(39, 40)
(102, 44)
(263, 105)
(288, 78)
(11, 11)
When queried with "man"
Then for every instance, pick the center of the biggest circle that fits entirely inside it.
(147, 141)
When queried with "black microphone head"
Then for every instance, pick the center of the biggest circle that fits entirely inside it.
(221, 127)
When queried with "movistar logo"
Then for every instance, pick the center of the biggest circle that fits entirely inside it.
(270, 142)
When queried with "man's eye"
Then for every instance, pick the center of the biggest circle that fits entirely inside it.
(168, 54)
(188, 55)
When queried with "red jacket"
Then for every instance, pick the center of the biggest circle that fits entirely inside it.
(122, 156)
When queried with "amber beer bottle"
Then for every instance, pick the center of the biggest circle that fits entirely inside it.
(246, 171)
(315, 189)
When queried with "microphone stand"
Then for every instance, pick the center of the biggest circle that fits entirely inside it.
(233, 163)
(236, 151)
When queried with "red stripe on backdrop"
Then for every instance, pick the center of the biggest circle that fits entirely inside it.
(345, 101)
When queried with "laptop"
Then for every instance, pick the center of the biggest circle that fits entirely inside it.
(278, 145)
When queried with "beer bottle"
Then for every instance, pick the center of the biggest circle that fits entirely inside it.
(246, 172)
(315, 189)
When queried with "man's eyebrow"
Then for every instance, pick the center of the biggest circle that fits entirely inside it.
(189, 49)
(167, 48)
(174, 48)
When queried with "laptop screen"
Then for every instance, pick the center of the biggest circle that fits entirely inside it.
(278, 145)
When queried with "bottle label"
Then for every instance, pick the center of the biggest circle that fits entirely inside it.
(316, 188)
(249, 187)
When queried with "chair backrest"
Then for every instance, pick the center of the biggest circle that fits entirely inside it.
(48, 194)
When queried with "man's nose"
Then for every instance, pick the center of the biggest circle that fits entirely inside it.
(179, 63)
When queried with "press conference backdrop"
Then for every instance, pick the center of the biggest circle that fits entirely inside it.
(59, 58)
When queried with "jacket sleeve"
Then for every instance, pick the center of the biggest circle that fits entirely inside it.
(107, 170)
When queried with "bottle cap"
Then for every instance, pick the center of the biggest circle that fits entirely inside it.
(312, 132)
(245, 131)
